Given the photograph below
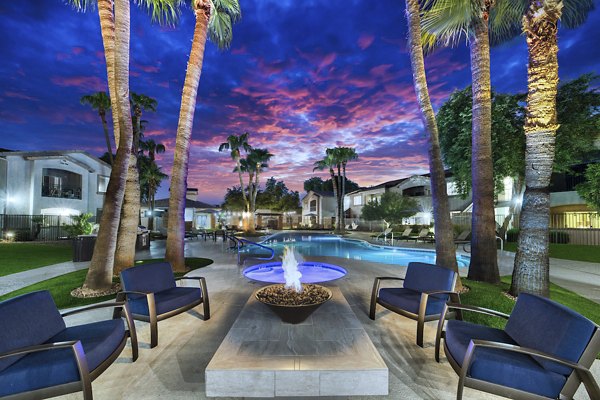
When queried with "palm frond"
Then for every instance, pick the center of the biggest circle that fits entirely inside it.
(575, 12)
(445, 22)
(82, 5)
(219, 29)
(165, 12)
(505, 20)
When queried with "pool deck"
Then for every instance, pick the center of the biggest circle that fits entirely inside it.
(176, 368)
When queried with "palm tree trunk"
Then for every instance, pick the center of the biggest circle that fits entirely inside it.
(335, 195)
(239, 169)
(444, 234)
(343, 222)
(152, 190)
(531, 271)
(99, 276)
(484, 262)
(107, 137)
(107, 28)
(340, 206)
(130, 213)
(176, 228)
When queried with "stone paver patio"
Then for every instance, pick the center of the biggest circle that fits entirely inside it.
(175, 369)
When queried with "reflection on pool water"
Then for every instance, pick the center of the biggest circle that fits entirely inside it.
(312, 272)
(318, 244)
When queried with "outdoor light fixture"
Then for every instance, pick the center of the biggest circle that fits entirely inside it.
(10, 235)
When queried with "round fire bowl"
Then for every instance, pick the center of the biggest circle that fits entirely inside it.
(292, 314)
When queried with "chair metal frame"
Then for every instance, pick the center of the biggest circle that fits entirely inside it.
(580, 374)
(153, 318)
(421, 318)
(86, 376)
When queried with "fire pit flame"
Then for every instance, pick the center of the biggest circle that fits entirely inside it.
(290, 269)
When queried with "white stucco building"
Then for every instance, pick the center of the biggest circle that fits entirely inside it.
(52, 182)
(318, 209)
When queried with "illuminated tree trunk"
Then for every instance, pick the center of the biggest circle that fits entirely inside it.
(99, 276)
(484, 262)
(531, 271)
(444, 244)
(335, 195)
(176, 228)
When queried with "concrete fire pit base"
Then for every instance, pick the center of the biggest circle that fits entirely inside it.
(329, 354)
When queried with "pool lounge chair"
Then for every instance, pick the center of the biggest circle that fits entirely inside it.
(422, 297)
(544, 352)
(384, 234)
(423, 233)
(406, 234)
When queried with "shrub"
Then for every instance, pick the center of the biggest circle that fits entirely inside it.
(81, 225)
(559, 237)
(512, 234)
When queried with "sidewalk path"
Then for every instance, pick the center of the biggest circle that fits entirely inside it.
(12, 282)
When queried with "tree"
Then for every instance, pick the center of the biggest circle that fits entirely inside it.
(130, 215)
(318, 184)
(589, 190)
(255, 163)
(445, 22)
(329, 162)
(278, 197)
(444, 246)
(531, 271)
(115, 38)
(236, 144)
(234, 199)
(151, 177)
(343, 155)
(152, 148)
(393, 208)
(214, 19)
(508, 141)
(101, 102)
(315, 184)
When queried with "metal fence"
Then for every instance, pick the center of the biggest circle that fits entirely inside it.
(44, 228)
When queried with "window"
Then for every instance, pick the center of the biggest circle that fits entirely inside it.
(61, 183)
(313, 206)
(357, 200)
(102, 183)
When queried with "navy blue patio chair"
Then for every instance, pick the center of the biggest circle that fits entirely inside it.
(544, 352)
(152, 295)
(41, 357)
(422, 297)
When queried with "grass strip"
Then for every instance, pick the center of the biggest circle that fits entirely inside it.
(61, 286)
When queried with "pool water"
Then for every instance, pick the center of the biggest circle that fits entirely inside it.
(312, 272)
(318, 244)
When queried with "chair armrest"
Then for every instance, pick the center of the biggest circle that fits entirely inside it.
(80, 359)
(203, 289)
(387, 278)
(583, 373)
(93, 307)
(481, 310)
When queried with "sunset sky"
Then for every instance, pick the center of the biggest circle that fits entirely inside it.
(300, 76)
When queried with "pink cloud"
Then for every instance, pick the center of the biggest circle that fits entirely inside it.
(92, 83)
(18, 95)
(147, 68)
(365, 40)
(77, 50)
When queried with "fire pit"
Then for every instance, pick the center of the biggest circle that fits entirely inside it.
(293, 307)
(292, 301)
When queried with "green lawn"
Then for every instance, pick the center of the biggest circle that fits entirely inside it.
(61, 286)
(574, 252)
(492, 296)
(17, 257)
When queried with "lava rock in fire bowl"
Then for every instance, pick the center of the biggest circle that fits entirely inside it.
(293, 307)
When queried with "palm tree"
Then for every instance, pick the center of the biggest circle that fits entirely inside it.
(115, 37)
(257, 162)
(237, 143)
(214, 18)
(444, 245)
(445, 22)
(151, 177)
(130, 213)
(329, 162)
(101, 102)
(152, 148)
(540, 26)
(344, 155)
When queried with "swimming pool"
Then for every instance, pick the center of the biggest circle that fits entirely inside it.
(320, 244)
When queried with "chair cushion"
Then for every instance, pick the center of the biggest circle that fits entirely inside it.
(505, 368)
(409, 300)
(460, 333)
(422, 277)
(153, 277)
(167, 300)
(542, 324)
(27, 320)
(56, 367)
